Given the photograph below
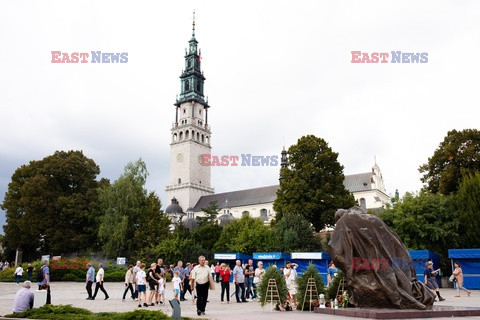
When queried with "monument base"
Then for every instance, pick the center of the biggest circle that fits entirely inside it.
(435, 312)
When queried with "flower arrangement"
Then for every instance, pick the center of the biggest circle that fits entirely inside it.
(343, 300)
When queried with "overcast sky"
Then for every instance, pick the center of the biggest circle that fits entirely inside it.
(275, 71)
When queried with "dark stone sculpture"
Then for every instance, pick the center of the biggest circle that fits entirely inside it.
(378, 270)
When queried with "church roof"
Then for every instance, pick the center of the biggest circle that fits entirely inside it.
(358, 182)
(239, 198)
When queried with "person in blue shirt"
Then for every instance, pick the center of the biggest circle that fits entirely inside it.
(90, 280)
(46, 280)
(430, 279)
(331, 273)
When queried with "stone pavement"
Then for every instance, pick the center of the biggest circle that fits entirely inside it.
(74, 293)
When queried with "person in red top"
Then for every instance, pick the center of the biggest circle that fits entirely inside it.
(225, 275)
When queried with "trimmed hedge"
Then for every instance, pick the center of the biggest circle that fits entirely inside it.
(61, 273)
(67, 312)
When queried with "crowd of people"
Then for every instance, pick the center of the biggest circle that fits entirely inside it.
(196, 279)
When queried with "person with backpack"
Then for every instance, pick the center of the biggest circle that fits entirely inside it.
(43, 278)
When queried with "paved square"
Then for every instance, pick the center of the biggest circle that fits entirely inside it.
(74, 293)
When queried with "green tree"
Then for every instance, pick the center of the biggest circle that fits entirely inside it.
(467, 203)
(424, 221)
(246, 235)
(457, 156)
(302, 282)
(210, 213)
(312, 183)
(295, 233)
(51, 205)
(131, 218)
(272, 273)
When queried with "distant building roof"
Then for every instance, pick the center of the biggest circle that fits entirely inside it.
(239, 198)
(358, 182)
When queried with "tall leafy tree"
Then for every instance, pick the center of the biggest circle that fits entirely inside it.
(467, 202)
(295, 233)
(424, 221)
(210, 213)
(51, 205)
(131, 218)
(312, 183)
(246, 235)
(456, 156)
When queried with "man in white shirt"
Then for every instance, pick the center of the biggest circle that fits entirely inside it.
(99, 284)
(136, 269)
(200, 276)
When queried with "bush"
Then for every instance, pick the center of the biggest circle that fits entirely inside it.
(67, 312)
(331, 292)
(302, 282)
(272, 273)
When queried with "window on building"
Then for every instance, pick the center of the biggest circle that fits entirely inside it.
(187, 85)
(186, 135)
(174, 137)
(179, 181)
(245, 214)
(263, 215)
(363, 204)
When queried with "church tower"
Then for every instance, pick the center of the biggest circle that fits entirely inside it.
(190, 137)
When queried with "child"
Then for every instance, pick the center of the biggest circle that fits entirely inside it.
(161, 289)
(142, 288)
(176, 282)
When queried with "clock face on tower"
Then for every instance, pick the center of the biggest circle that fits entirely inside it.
(180, 157)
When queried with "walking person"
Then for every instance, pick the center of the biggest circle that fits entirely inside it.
(136, 269)
(217, 272)
(90, 279)
(99, 284)
(142, 287)
(176, 283)
(30, 270)
(159, 272)
(43, 278)
(152, 284)
(239, 278)
(430, 279)
(181, 275)
(129, 280)
(459, 278)
(225, 277)
(249, 274)
(200, 281)
(18, 274)
(186, 281)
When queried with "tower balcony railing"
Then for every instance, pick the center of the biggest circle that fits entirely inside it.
(205, 127)
(189, 185)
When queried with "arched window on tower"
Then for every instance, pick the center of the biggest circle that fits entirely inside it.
(174, 137)
(186, 135)
(198, 136)
(203, 138)
(180, 137)
(187, 85)
(245, 214)
(207, 140)
(198, 87)
(193, 134)
(179, 181)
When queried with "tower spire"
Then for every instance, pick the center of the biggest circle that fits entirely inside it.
(193, 25)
